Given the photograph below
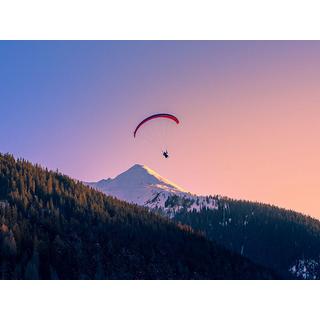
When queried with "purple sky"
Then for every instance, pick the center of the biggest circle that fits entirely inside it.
(249, 113)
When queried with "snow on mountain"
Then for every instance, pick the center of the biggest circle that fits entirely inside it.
(307, 269)
(143, 186)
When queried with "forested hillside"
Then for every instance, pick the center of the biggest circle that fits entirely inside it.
(53, 227)
(283, 240)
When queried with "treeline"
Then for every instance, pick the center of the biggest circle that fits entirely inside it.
(270, 236)
(53, 227)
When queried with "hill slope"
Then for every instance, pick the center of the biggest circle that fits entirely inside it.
(52, 227)
(283, 240)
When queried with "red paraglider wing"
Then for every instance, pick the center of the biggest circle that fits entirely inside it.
(155, 116)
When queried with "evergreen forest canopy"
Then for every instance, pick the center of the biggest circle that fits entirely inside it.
(53, 227)
(282, 240)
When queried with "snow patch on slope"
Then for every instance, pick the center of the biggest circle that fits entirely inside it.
(307, 269)
(143, 186)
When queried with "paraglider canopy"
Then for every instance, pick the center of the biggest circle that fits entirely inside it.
(156, 134)
(156, 116)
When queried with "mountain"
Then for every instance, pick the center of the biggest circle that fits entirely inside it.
(143, 186)
(53, 227)
(282, 240)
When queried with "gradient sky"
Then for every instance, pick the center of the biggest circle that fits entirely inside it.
(249, 113)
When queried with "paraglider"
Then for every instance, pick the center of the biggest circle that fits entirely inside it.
(162, 116)
(165, 154)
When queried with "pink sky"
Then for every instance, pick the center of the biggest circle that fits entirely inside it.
(249, 113)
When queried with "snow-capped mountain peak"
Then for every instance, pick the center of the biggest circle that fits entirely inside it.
(143, 186)
(149, 177)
